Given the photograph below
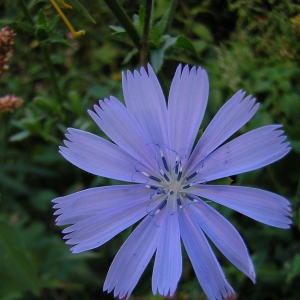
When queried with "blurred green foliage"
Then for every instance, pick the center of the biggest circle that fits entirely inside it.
(243, 44)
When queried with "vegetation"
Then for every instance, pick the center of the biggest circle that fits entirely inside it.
(243, 44)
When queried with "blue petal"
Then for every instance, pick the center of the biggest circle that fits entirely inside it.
(224, 236)
(186, 107)
(235, 113)
(168, 260)
(145, 101)
(99, 156)
(98, 214)
(120, 126)
(250, 151)
(205, 264)
(132, 258)
(260, 205)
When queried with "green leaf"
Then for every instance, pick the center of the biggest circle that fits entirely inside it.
(17, 271)
(296, 146)
(56, 38)
(53, 23)
(203, 32)
(117, 28)
(16, 186)
(184, 43)
(141, 17)
(47, 104)
(129, 55)
(294, 268)
(159, 28)
(27, 28)
(167, 42)
(79, 7)
(156, 58)
(42, 21)
(20, 136)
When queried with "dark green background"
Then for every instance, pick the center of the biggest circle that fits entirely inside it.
(250, 45)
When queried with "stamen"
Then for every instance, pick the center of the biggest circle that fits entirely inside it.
(149, 176)
(195, 173)
(191, 198)
(166, 177)
(179, 203)
(163, 204)
(154, 178)
(152, 187)
(163, 158)
(187, 186)
(176, 164)
(169, 193)
(180, 172)
(191, 176)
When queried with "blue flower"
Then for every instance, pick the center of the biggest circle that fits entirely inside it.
(152, 146)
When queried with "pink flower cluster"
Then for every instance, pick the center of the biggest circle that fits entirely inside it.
(9, 103)
(6, 42)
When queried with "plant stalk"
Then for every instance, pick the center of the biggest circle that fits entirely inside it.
(45, 52)
(125, 21)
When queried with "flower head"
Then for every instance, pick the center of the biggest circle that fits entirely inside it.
(10, 103)
(6, 42)
(152, 146)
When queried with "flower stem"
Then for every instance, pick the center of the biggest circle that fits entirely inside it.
(125, 21)
(45, 52)
(144, 42)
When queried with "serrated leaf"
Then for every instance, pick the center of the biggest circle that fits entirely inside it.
(27, 28)
(42, 21)
(79, 7)
(159, 28)
(17, 271)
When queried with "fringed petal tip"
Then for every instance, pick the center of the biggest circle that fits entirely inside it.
(167, 293)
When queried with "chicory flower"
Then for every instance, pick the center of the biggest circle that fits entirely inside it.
(152, 146)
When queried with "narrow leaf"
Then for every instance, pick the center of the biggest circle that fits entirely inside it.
(79, 7)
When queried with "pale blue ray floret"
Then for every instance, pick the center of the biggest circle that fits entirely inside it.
(152, 147)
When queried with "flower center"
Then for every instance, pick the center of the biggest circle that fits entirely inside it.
(169, 184)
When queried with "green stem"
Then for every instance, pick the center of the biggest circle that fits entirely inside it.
(144, 42)
(171, 13)
(45, 52)
(125, 21)
(51, 72)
